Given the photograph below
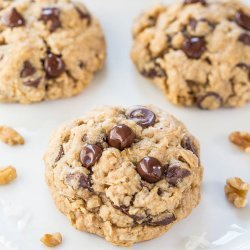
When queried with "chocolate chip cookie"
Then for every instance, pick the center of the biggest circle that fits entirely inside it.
(49, 49)
(196, 51)
(124, 174)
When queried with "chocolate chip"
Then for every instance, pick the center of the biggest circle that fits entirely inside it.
(153, 72)
(210, 100)
(60, 154)
(84, 15)
(13, 19)
(243, 66)
(121, 137)
(188, 144)
(27, 70)
(143, 117)
(150, 169)
(245, 38)
(84, 181)
(194, 47)
(33, 83)
(89, 155)
(54, 65)
(243, 20)
(203, 2)
(175, 174)
(164, 222)
(51, 16)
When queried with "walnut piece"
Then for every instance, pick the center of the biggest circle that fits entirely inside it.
(236, 191)
(52, 240)
(10, 136)
(7, 175)
(241, 139)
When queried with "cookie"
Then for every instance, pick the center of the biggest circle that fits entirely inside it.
(49, 49)
(126, 175)
(196, 51)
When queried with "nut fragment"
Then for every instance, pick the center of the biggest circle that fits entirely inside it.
(241, 139)
(236, 191)
(7, 175)
(52, 240)
(10, 136)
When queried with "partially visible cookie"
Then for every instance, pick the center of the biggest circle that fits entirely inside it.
(196, 51)
(125, 174)
(49, 49)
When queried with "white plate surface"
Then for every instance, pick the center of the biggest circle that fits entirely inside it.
(26, 208)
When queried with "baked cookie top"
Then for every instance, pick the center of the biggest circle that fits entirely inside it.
(127, 167)
(196, 51)
(48, 49)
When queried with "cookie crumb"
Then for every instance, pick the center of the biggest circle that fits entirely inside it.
(241, 139)
(10, 136)
(7, 175)
(52, 240)
(236, 191)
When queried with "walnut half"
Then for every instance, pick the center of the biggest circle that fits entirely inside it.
(52, 240)
(236, 191)
(241, 139)
(10, 136)
(7, 175)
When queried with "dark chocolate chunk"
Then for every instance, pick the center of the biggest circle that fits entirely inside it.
(163, 222)
(176, 174)
(89, 155)
(54, 65)
(243, 66)
(27, 70)
(13, 19)
(60, 154)
(84, 181)
(211, 98)
(33, 82)
(143, 117)
(121, 137)
(245, 38)
(243, 20)
(188, 144)
(51, 16)
(193, 23)
(194, 47)
(153, 72)
(150, 169)
(203, 2)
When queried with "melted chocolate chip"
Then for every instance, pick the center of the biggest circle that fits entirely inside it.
(13, 19)
(195, 1)
(60, 154)
(84, 181)
(153, 72)
(209, 100)
(143, 117)
(84, 15)
(194, 47)
(164, 222)
(188, 144)
(54, 65)
(27, 70)
(150, 169)
(245, 38)
(176, 174)
(121, 137)
(89, 155)
(243, 20)
(51, 16)
(33, 83)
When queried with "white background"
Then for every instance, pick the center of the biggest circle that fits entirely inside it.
(28, 201)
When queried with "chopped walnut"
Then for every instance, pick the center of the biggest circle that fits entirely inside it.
(236, 191)
(10, 136)
(7, 175)
(241, 139)
(52, 240)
